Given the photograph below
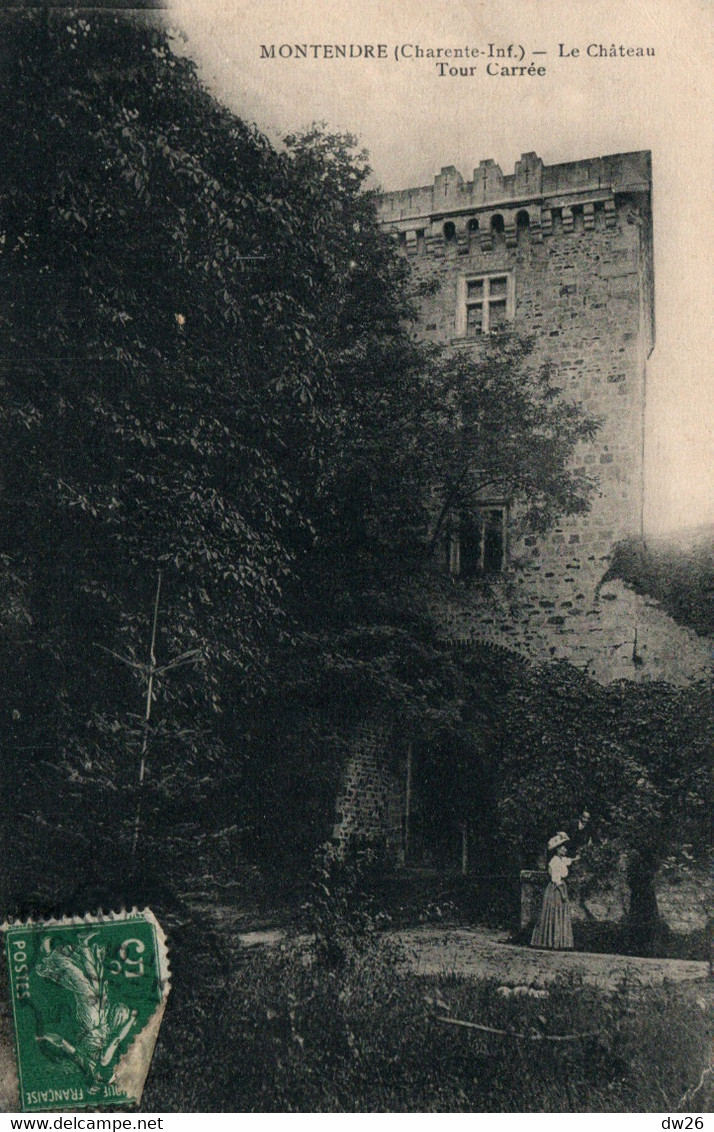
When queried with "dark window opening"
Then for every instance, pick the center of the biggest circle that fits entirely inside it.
(478, 544)
(449, 231)
(497, 222)
(493, 545)
(498, 288)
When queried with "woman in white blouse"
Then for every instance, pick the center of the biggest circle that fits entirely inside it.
(555, 927)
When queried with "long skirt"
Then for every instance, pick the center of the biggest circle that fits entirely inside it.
(555, 926)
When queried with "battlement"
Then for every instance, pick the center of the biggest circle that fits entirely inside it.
(481, 223)
(531, 195)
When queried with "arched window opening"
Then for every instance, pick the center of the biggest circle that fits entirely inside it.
(449, 231)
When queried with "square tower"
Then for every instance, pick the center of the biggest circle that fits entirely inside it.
(562, 253)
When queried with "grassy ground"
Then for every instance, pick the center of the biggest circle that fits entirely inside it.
(347, 1028)
(281, 1030)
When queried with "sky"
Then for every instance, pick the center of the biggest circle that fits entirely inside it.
(413, 121)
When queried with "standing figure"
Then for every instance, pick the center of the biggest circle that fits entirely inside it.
(579, 832)
(555, 927)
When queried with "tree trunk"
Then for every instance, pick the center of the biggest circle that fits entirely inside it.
(643, 922)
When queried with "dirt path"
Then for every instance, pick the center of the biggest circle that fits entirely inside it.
(486, 953)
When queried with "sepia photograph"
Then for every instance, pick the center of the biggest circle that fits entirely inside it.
(357, 557)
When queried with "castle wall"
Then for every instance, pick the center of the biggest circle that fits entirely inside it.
(545, 187)
(610, 632)
(684, 904)
(576, 242)
(370, 804)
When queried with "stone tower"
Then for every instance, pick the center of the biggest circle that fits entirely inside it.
(563, 253)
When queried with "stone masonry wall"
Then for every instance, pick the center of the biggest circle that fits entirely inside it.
(577, 242)
(370, 804)
(579, 293)
(685, 905)
(610, 632)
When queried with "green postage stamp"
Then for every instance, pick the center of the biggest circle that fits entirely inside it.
(87, 997)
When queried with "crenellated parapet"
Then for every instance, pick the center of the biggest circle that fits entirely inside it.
(495, 205)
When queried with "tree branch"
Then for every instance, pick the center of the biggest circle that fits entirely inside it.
(515, 1033)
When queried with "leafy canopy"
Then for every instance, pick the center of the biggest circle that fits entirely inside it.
(210, 370)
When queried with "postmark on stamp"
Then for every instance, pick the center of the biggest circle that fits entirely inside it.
(87, 996)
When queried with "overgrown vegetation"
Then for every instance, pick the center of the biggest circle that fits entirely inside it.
(209, 376)
(286, 1033)
(335, 1021)
(210, 373)
(540, 744)
(677, 571)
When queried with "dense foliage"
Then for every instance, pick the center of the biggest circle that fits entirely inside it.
(285, 1034)
(540, 744)
(677, 571)
(635, 756)
(209, 375)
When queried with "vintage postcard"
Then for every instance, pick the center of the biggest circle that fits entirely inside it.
(357, 557)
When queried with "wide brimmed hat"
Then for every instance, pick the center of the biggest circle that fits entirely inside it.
(558, 840)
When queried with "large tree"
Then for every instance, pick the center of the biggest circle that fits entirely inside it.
(167, 392)
(636, 756)
(210, 373)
